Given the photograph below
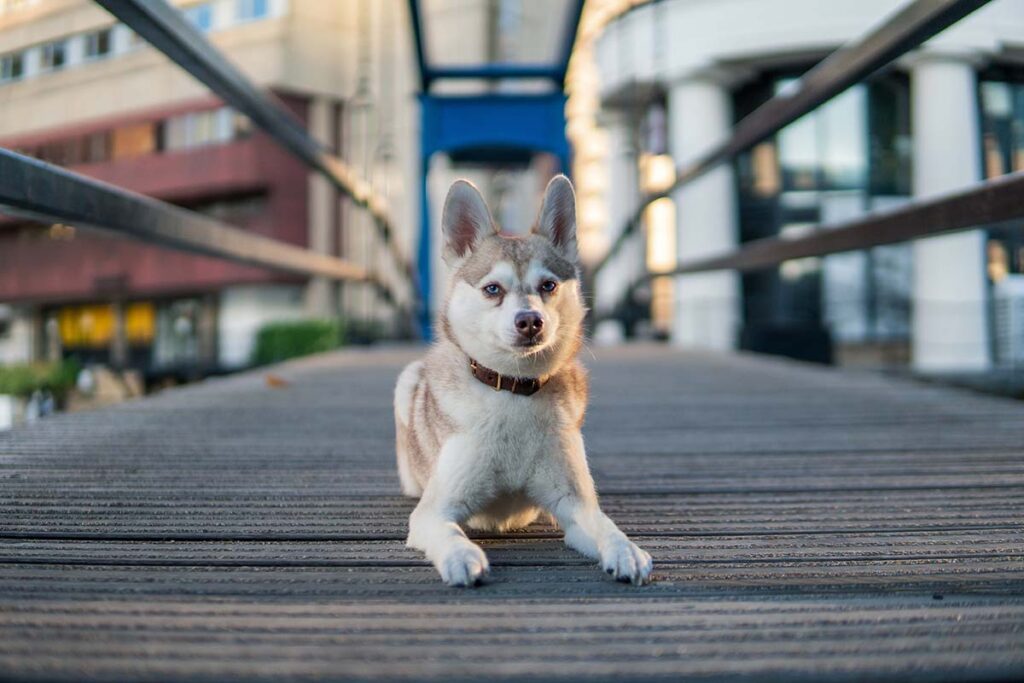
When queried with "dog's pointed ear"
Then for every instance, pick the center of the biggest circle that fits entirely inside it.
(465, 221)
(557, 220)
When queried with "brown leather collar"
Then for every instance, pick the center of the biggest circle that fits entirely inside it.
(524, 386)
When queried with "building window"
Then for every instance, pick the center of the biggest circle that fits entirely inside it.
(236, 211)
(133, 141)
(1002, 130)
(59, 153)
(12, 67)
(249, 10)
(1002, 106)
(6, 321)
(88, 149)
(201, 16)
(849, 157)
(177, 333)
(97, 44)
(53, 55)
(7, 6)
(96, 148)
(199, 129)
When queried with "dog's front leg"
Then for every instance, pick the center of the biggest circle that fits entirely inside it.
(434, 525)
(567, 491)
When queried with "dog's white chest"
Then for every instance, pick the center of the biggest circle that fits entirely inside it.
(513, 441)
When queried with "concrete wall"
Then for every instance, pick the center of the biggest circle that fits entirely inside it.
(17, 343)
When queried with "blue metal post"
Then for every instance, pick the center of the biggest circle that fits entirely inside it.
(423, 257)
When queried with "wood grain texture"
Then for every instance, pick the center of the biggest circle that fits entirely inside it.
(806, 524)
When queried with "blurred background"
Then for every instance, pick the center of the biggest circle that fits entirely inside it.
(411, 95)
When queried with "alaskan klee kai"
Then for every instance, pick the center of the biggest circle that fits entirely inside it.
(488, 423)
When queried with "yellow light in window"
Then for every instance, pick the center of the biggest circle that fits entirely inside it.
(657, 172)
(139, 322)
(998, 261)
(660, 222)
(90, 326)
(660, 219)
(766, 170)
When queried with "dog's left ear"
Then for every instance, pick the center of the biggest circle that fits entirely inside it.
(557, 220)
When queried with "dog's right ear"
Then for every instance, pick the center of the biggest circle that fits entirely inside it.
(465, 221)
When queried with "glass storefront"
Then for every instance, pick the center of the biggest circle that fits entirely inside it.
(1002, 130)
(849, 157)
(158, 336)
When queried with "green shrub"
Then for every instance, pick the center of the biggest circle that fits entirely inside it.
(280, 341)
(23, 379)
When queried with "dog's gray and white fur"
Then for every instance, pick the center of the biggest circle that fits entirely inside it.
(495, 460)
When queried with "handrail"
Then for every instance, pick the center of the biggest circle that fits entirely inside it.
(902, 32)
(36, 189)
(986, 203)
(164, 27)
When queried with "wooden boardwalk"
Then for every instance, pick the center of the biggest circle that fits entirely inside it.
(805, 524)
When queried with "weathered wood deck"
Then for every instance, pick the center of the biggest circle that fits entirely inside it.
(805, 523)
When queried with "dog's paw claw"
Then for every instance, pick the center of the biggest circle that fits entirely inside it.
(628, 563)
(464, 566)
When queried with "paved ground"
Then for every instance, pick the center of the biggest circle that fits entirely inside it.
(805, 524)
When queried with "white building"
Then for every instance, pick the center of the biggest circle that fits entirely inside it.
(675, 76)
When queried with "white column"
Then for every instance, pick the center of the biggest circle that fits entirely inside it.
(950, 322)
(622, 197)
(706, 305)
(319, 300)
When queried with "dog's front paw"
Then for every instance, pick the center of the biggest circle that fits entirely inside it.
(624, 560)
(464, 564)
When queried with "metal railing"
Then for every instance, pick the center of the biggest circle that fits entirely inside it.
(905, 30)
(35, 189)
(42, 191)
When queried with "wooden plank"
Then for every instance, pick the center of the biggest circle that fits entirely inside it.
(511, 551)
(694, 514)
(398, 580)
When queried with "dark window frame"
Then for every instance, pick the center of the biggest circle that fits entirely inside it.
(768, 300)
(53, 56)
(12, 67)
(99, 44)
(1010, 238)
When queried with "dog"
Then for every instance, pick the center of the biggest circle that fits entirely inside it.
(488, 423)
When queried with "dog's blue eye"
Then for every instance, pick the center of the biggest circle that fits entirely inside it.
(492, 289)
(548, 286)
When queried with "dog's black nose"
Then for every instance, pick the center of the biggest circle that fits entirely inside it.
(529, 324)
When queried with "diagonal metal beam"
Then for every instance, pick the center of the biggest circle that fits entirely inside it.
(170, 32)
(569, 33)
(902, 32)
(420, 44)
(36, 189)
